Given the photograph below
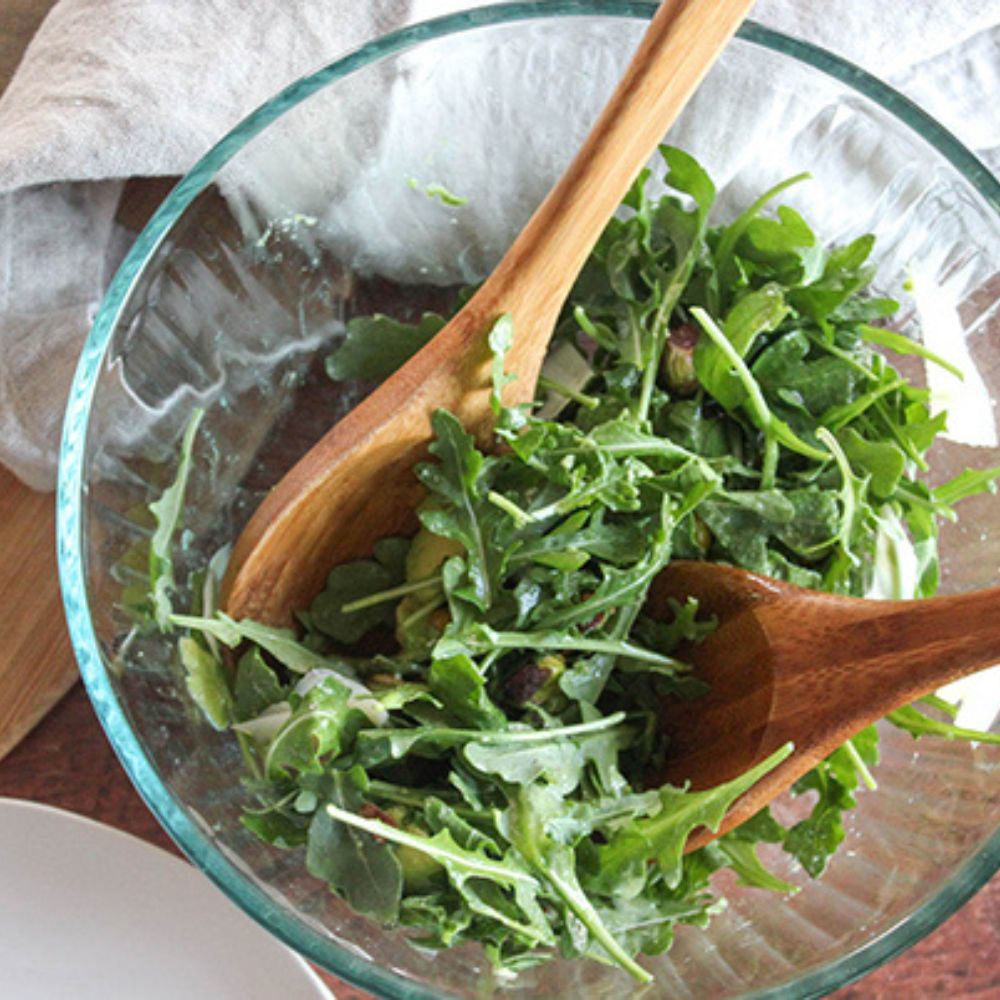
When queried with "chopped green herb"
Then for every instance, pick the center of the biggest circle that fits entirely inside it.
(438, 191)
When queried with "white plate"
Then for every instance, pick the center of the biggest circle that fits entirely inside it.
(95, 914)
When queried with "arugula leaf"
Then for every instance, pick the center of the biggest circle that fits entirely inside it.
(375, 346)
(883, 461)
(919, 520)
(622, 438)
(664, 835)
(618, 587)
(206, 682)
(361, 868)
(901, 344)
(558, 763)
(281, 644)
(783, 247)
(168, 511)
(967, 483)
(792, 371)
(741, 856)
(456, 480)
(482, 638)
(913, 721)
(852, 761)
(727, 268)
(256, 686)
(757, 312)
(277, 829)
(559, 760)
(316, 730)
(755, 404)
(404, 739)
(403, 695)
(351, 581)
(500, 341)
(814, 840)
(851, 496)
(684, 230)
(461, 864)
(462, 690)
(843, 275)
(440, 917)
(524, 824)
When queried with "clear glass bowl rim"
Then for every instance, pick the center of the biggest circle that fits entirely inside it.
(141, 770)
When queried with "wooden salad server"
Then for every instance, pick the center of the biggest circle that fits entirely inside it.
(356, 484)
(788, 665)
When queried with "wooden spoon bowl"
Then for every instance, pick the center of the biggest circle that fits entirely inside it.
(788, 665)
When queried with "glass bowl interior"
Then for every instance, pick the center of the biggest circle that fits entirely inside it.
(320, 207)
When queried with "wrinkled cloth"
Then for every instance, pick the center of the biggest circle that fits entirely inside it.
(112, 89)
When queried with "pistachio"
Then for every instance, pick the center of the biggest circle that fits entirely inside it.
(532, 683)
(677, 367)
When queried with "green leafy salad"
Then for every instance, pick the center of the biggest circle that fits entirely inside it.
(458, 737)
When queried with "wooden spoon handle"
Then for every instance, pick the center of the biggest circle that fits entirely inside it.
(535, 276)
(833, 665)
(910, 648)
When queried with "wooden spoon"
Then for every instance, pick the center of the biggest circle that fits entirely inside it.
(357, 484)
(793, 665)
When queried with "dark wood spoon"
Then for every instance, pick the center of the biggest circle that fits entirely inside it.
(793, 665)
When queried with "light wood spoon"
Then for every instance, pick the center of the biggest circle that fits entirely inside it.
(356, 484)
(793, 665)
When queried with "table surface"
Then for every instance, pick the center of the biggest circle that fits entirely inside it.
(66, 761)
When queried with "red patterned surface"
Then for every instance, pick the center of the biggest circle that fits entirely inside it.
(67, 762)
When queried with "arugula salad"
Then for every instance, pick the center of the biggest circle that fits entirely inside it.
(458, 735)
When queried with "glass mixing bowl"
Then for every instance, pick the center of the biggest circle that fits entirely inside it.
(318, 207)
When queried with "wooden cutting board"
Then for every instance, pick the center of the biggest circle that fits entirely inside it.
(36, 664)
